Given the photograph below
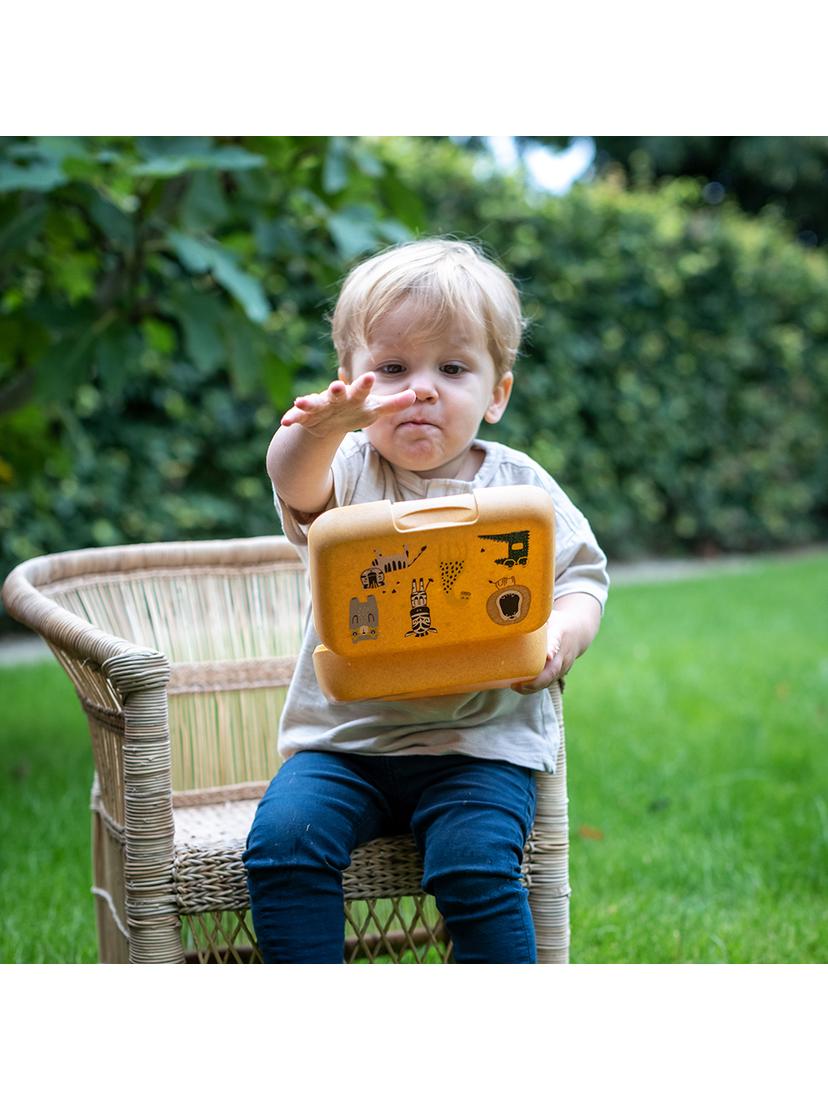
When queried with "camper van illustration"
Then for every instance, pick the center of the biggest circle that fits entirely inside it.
(517, 547)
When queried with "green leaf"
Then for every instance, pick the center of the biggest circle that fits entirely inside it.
(76, 275)
(394, 231)
(32, 177)
(81, 168)
(198, 315)
(194, 254)
(10, 340)
(354, 230)
(335, 168)
(20, 150)
(204, 205)
(21, 229)
(278, 379)
(247, 290)
(149, 147)
(64, 367)
(57, 148)
(242, 341)
(200, 256)
(403, 203)
(277, 236)
(117, 352)
(230, 159)
(159, 336)
(163, 167)
(112, 222)
(365, 161)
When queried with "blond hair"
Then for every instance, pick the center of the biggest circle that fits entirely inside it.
(448, 278)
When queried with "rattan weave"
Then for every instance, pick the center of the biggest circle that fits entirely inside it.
(180, 654)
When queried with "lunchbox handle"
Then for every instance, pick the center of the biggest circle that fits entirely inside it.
(418, 515)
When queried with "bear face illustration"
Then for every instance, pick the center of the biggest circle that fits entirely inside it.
(364, 619)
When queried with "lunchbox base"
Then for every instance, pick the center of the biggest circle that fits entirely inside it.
(451, 670)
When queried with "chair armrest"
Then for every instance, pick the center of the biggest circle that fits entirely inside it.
(115, 679)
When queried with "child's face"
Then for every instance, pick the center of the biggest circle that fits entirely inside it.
(454, 379)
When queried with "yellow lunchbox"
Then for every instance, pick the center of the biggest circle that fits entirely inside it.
(432, 597)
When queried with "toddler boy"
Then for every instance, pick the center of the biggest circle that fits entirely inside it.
(426, 335)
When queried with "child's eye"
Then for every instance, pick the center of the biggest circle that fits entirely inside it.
(452, 368)
(390, 368)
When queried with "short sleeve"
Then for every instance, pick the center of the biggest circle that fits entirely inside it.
(580, 563)
(582, 567)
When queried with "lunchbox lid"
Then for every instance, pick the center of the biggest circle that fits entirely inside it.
(431, 573)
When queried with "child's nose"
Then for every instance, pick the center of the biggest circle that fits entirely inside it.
(424, 387)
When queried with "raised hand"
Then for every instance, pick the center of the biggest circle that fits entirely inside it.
(345, 407)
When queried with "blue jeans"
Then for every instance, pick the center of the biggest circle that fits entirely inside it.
(470, 819)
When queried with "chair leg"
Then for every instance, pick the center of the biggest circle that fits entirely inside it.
(549, 856)
(108, 890)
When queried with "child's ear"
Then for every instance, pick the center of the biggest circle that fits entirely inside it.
(500, 398)
(343, 375)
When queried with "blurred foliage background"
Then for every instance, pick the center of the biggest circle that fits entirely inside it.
(163, 299)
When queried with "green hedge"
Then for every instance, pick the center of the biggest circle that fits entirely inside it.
(157, 297)
(160, 301)
(675, 371)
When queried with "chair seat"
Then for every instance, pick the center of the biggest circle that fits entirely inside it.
(209, 874)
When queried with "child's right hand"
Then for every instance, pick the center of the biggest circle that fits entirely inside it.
(345, 407)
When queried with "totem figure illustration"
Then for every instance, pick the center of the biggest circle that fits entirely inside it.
(382, 564)
(364, 619)
(420, 612)
(517, 543)
(509, 603)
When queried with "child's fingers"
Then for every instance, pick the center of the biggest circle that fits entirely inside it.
(339, 400)
(396, 402)
(365, 381)
(554, 661)
(552, 670)
(361, 387)
(308, 402)
(531, 686)
(302, 406)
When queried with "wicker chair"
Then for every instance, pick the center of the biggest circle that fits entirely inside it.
(180, 654)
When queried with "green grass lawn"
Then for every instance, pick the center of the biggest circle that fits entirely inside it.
(45, 855)
(699, 772)
(698, 779)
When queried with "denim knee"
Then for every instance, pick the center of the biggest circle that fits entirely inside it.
(473, 882)
(281, 838)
